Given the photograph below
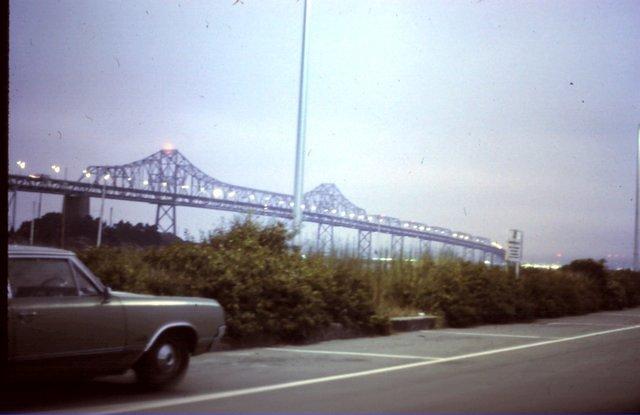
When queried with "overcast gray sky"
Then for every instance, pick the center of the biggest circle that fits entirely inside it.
(479, 116)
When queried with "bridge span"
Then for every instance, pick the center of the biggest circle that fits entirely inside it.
(167, 179)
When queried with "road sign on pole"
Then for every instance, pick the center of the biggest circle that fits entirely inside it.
(514, 249)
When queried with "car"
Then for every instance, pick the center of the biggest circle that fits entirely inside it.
(64, 321)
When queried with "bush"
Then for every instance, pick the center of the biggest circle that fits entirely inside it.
(269, 292)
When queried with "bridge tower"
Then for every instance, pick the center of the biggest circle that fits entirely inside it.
(424, 247)
(364, 244)
(324, 238)
(13, 201)
(166, 218)
(397, 246)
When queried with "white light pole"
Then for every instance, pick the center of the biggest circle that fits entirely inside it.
(302, 114)
(636, 241)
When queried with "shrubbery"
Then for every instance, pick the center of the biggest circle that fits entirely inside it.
(271, 292)
(268, 290)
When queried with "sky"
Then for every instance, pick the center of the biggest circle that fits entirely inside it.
(478, 116)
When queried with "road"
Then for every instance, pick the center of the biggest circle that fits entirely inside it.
(585, 363)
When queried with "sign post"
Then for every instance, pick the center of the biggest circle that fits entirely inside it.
(514, 249)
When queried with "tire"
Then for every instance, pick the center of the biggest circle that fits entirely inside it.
(164, 364)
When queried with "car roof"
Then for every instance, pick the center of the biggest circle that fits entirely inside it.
(19, 250)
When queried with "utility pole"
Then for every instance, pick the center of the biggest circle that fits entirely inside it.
(636, 241)
(302, 123)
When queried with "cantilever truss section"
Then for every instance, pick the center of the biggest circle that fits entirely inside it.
(168, 179)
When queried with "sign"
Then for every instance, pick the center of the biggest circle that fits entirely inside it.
(514, 246)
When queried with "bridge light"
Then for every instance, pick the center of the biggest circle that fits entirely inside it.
(21, 164)
(107, 176)
(313, 208)
(128, 179)
(352, 215)
(334, 211)
(164, 184)
(421, 228)
(87, 174)
(231, 194)
(302, 206)
(218, 193)
(406, 225)
(291, 204)
(184, 186)
(145, 182)
(370, 218)
(342, 214)
(55, 168)
(360, 217)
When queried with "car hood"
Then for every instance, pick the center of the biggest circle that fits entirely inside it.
(126, 297)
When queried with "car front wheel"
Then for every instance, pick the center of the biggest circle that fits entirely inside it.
(164, 364)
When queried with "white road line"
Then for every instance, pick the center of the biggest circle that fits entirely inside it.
(390, 356)
(160, 403)
(464, 333)
(585, 324)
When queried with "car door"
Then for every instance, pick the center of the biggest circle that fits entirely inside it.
(55, 314)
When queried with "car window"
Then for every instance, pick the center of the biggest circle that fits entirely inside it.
(41, 277)
(85, 287)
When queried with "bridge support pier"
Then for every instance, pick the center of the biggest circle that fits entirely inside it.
(424, 247)
(166, 218)
(324, 238)
(364, 244)
(397, 246)
(13, 202)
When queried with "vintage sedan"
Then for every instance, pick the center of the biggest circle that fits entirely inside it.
(63, 320)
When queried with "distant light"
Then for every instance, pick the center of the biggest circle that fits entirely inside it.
(168, 147)
(313, 208)
(291, 204)
(128, 179)
(360, 217)
(352, 215)
(231, 194)
(34, 176)
(334, 211)
(55, 168)
(370, 218)
(87, 174)
(421, 228)
(107, 176)
(252, 197)
(21, 164)
(164, 184)
(302, 206)
(145, 182)
(184, 186)
(405, 225)
(343, 214)
(218, 193)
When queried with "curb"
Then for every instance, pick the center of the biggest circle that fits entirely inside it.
(413, 323)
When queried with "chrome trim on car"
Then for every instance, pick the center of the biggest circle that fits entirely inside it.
(164, 328)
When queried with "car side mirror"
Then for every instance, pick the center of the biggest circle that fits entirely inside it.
(106, 293)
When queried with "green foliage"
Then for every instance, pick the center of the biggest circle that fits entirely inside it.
(271, 292)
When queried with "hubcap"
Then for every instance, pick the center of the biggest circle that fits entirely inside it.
(166, 357)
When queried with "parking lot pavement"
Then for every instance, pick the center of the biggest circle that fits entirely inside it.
(216, 380)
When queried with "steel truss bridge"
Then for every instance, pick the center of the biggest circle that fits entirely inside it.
(167, 179)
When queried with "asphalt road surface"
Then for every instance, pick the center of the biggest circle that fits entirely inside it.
(585, 363)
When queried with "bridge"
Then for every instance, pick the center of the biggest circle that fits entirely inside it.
(168, 180)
